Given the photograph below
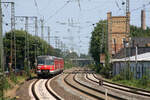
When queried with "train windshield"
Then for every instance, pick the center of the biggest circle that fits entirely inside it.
(49, 62)
(41, 62)
(45, 62)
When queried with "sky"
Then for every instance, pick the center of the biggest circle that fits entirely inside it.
(59, 14)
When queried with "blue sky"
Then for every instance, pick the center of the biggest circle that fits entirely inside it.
(91, 12)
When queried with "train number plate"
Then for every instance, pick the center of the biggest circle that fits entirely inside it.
(45, 71)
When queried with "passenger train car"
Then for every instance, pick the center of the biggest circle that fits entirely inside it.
(49, 65)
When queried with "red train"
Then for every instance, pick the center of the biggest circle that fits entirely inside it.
(49, 65)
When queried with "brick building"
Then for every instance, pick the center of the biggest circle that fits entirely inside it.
(118, 32)
(118, 37)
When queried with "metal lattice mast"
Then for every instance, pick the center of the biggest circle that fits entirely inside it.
(13, 28)
(27, 48)
(1, 56)
(127, 6)
(1, 39)
(36, 34)
(42, 30)
(128, 17)
(49, 37)
(26, 29)
(27, 42)
(12, 43)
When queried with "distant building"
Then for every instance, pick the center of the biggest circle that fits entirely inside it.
(143, 46)
(139, 65)
(119, 43)
(118, 32)
(143, 20)
(82, 61)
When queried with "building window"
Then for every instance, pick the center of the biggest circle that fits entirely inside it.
(113, 41)
(123, 41)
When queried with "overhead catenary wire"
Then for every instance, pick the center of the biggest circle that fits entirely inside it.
(145, 5)
(57, 11)
(37, 7)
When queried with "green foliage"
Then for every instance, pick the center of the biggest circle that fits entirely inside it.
(132, 83)
(1, 86)
(126, 78)
(67, 64)
(71, 55)
(106, 69)
(91, 66)
(97, 43)
(117, 77)
(139, 32)
(13, 77)
(6, 84)
(125, 74)
(20, 48)
(144, 81)
(57, 53)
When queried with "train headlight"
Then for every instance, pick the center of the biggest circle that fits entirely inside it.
(38, 67)
(39, 71)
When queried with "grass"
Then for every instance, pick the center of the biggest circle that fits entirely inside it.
(10, 82)
(134, 83)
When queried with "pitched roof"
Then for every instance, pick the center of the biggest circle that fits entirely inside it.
(140, 57)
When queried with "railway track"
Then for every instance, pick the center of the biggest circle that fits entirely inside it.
(41, 90)
(33, 90)
(130, 90)
(84, 88)
(75, 80)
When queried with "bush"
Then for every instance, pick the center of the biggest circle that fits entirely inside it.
(67, 64)
(144, 81)
(117, 78)
(13, 77)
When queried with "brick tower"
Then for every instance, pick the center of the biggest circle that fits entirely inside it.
(118, 32)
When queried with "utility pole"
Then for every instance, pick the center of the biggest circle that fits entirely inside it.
(26, 57)
(42, 34)
(48, 38)
(56, 41)
(13, 37)
(27, 19)
(128, 36)
(13, 28)
(26, 46)
(127, 6)
(36, 41)
(27, 42)
(48, 35)
(1, 57)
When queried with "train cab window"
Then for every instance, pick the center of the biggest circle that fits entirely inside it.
(40, 62)
(49, 62)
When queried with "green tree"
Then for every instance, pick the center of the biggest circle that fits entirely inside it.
(72, 55)
(20, 48)
(97, 43)
(139, 32)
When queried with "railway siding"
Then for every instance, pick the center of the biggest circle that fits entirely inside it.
(63, 90)
(117, 92)
(101, 90)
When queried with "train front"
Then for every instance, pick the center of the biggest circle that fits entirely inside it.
(45, 65)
